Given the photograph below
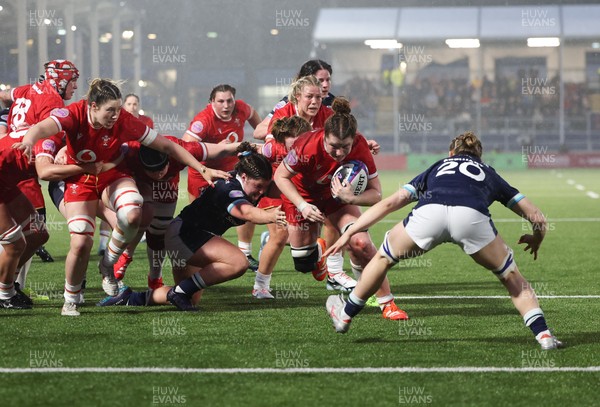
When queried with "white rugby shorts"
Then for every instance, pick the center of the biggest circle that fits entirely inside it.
(433, 224)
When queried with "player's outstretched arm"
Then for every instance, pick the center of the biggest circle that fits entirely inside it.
(527, 210)
(166, 146)
(259, 216)
(371, 216)
(43, 129)
(47, 170)
(220, 150)
(261, 130)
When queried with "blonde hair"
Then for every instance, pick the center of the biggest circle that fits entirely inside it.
(466, 143)
(299, 84)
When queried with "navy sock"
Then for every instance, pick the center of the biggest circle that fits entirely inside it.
(190, 285)
(137, 299)
(539, 325)
(354, 305)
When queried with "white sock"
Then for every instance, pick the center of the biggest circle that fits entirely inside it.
(22, 272)
(7, 291)
(72, 292)
(262, 281)
(384, 300)
(245, 247)
(112, 254)
(335, 263)
(356, 270)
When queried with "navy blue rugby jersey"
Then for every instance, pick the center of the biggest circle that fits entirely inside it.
(462, 180)
(210, 212)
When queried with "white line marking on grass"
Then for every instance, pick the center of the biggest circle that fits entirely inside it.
(457, 369)
(570, 182)
(517, 220)
(592, 195)
(485, 297)
(580, 187)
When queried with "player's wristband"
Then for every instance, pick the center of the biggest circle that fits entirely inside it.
(302, 206)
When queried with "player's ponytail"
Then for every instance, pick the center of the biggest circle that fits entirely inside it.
(102, 91)
(253, 164)
(466, 143)
(342, 123)
(289, 127)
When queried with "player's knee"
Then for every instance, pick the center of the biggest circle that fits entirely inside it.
(386, 252)
(305, 258)
(82, 225)
(13, 241)
(280, 237)
(81, 245)
(127, 204)
(362, 247)
(37, 239)
(239, 265)
(508, 266)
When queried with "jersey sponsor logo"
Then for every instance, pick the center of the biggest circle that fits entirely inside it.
(60, 112)
(49, 145)
(86, 156)
(232, 137)
(236, 194)
(197, 127)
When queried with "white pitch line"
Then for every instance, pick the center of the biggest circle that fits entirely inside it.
(518, 220)
(580, 187)
(315, 370)
(592, 195)
(485, 297)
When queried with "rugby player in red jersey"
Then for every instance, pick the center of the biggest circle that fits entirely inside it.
(305, 180)
(95, 129)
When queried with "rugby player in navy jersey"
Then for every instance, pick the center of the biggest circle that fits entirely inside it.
(199, 255)
(453, 198)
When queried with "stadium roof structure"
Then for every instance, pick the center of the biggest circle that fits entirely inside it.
(420, 24)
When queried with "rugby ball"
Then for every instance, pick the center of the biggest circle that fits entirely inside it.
(353, 173)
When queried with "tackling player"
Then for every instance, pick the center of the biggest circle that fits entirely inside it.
(157, 177)
(200, 256)
(453, 198)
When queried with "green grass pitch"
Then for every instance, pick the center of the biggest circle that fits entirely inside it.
(473, 325)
